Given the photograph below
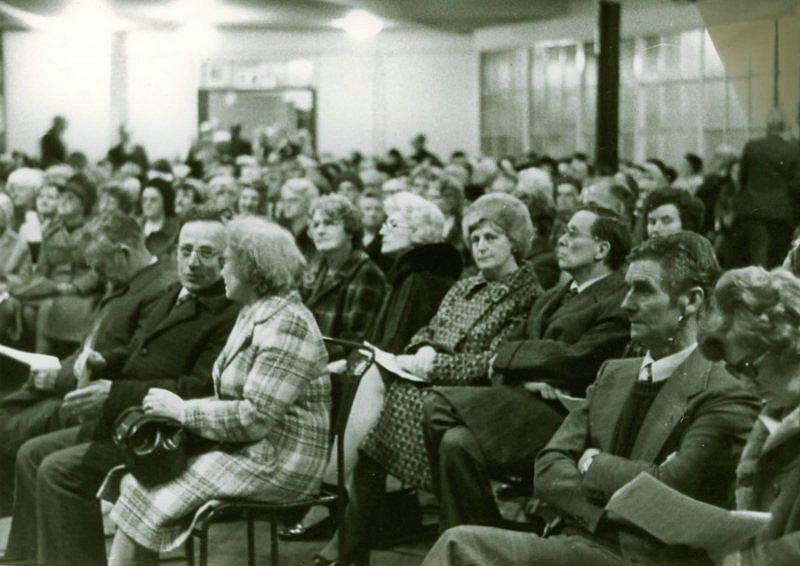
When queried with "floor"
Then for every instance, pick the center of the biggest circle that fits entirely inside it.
(227, 547)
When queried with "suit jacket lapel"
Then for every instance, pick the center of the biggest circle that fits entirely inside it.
(670, 406)
(544, 314)
(610, 399)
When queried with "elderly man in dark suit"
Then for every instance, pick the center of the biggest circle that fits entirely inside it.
(766, 206)
(475, 433)
(114, 248)
(672, 414)
(58, 474)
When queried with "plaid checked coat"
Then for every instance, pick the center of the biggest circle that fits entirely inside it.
(473, 319)
(345, 302)
(270, 414)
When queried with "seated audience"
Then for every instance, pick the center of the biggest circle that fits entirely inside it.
(372, 217)
(475, 434)
(160, 225)
(251, 201)
(269, 412)
(296, 197)
(671, 210)
(454, 347)
(542, 255)
(446, 193)
(755, 329)
(175, 346)
(424, 269)
(115, 250)
(672, 414)
(341, 286)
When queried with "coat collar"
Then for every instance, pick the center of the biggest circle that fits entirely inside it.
(249, 317)
(212, 299)
(320, 286)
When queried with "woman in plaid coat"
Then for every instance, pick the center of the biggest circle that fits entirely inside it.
(454, 348)
(270, 414)
(342, 286)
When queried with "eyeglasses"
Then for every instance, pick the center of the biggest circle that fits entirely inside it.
(203, 254)
(393, 223)
(746, 369)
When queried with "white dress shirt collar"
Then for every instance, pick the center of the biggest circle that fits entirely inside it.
(665, 367)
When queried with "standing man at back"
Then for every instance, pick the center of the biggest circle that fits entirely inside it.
(765, 208)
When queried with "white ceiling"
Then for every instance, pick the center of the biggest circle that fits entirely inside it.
(460, 16)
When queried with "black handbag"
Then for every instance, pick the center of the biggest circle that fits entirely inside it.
(154, 449)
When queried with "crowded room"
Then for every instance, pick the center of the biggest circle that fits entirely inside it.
(432, 283)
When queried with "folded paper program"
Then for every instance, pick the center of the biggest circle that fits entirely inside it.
(37, 362)
(677, 519)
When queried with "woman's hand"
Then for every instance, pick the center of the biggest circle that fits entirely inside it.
(163, 403)
(420, 363)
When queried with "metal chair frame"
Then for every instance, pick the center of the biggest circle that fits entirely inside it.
(227, 510)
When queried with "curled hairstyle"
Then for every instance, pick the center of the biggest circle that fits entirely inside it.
(690, 208)
(686, 259)
(338, 208)
(767, 303)
(507, 213)
(263, 255)
(424, 218)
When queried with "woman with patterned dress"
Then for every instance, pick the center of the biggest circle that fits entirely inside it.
(454, 348)
(269, 416)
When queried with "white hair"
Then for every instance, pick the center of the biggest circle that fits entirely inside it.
(26, 177)
(302, 187)
(424, 218)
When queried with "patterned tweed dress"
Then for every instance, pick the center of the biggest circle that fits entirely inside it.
(473, 319)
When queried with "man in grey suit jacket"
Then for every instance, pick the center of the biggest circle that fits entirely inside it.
(671, 414)
(474, 434)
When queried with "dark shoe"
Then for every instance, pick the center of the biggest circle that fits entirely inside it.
(322, 529)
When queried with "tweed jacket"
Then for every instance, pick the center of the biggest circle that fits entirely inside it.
(690, 439)
(345, 302)
(270, 414)
(473, 319)
(768, 479)
(564, 343)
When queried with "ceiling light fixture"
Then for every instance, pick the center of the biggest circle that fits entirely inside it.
(360, 25)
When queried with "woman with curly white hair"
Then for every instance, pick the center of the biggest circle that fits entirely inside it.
(297, 194)
(269, 417)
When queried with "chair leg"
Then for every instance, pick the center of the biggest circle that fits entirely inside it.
(204, 546)
(273, 540)
(251, 541)
(190, 550)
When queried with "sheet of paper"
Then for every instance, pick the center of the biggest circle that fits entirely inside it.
(568, 401)
(675, 518)
(389, 362)
(37, 362)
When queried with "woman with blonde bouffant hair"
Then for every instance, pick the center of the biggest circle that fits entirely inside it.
(755, 328)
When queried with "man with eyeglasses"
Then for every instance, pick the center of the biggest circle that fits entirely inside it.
(475, 434)
(672, 414)
(58, 474)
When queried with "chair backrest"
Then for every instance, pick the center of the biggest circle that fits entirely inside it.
(359, 358)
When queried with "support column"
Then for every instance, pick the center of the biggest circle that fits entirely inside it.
(607, 140)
